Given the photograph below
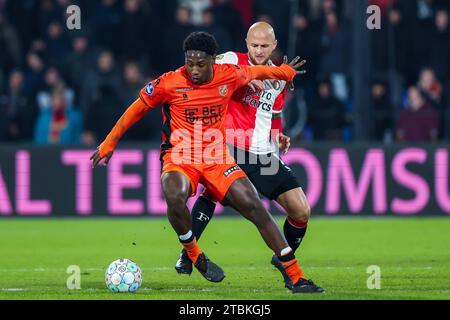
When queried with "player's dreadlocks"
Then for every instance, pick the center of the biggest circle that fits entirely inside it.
(201, 41)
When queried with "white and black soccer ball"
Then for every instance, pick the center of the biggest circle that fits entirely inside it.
(123, 275)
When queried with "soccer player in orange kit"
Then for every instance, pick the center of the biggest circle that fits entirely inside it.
(254, 117)
(195, 99)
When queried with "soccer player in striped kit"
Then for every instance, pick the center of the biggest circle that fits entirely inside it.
(253, 121)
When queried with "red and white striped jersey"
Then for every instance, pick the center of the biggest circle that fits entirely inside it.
(252, 112)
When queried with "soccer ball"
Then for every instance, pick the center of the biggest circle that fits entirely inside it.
(123, 275)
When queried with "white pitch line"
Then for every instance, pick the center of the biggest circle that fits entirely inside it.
(241, 290)
(13, 289)
(82, 269)
(40, 269)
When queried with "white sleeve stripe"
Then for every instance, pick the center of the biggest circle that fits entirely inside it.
(227, 57)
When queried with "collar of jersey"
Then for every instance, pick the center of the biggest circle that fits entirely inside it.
(197, 85)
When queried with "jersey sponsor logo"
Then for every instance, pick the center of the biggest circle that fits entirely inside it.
(149, 89)
(190, 115)
(231, 170)
(261, 99)
(223, 90)
(252, 102)
(207, 115)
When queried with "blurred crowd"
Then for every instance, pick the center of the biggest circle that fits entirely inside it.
(61, 86)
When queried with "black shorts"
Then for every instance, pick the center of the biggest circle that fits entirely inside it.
(268, 173)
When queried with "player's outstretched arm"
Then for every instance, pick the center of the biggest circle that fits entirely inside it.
(133, 114)
(285, 72)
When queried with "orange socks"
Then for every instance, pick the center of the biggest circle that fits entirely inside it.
(293, 270)
(290, 265)
(192, 250)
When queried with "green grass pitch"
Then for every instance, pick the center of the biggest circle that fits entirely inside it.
(413, 255)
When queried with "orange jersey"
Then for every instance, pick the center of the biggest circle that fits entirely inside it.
(194, 115)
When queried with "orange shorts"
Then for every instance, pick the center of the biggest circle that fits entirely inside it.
(216, 178)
